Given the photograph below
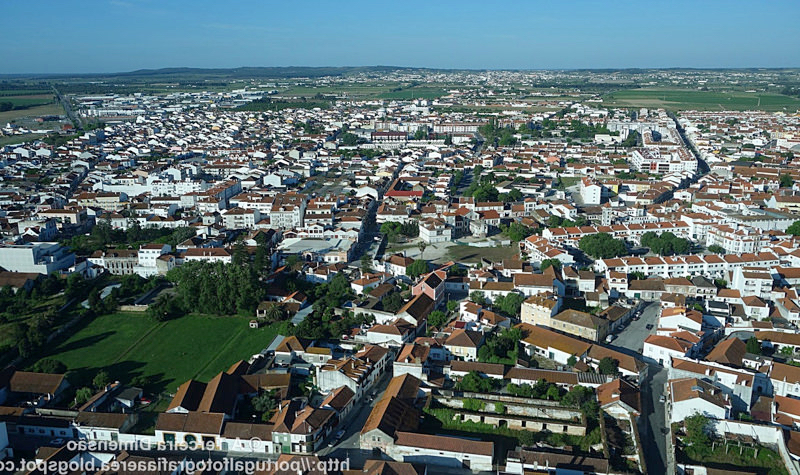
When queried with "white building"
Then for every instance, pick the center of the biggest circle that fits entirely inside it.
(690, 396)
(40, 257)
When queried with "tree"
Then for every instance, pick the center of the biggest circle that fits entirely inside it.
(510, 304)
(437, 319)
(696, 434)
(349, 139)
(602, 246)
(417, 268)
(572, 361)
(666, 243)
(452, 305)
(608, 365)
(753, 346)
(264, 404)
(794, 229)
(51, 366)
(786, 181)
(716, 249)
(393, 302)
(421, 246)
(101, 379)
(366, 264)
(475, 383)
(477, 297)
(555, 263)
(82, 395)
(6, 106)
(273, 312)
(553, 393)
(517, 231)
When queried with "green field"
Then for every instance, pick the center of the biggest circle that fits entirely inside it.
(349, 90)
(18, 139)
(414, 93)
(24, 92)
(27, 101)
(472, 254)
(131, 344)
(31, 111)
(685, 99)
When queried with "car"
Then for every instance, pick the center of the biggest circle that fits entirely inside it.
(610, 338)
(662, 399)
(649, 326)
(339, 435)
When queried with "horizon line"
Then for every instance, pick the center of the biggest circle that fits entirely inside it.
(626, 68)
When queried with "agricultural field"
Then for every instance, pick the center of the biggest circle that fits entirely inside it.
(419, 92)
(131, 344)
(26, 105)
(686, 99)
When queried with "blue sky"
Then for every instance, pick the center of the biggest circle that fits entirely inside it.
(54, 36)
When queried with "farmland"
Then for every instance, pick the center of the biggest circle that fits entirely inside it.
(686, 99)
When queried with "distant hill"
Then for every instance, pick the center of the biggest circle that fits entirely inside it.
(167, 74)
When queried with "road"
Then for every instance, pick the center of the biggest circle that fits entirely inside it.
(652, 424)
(68, 109)
(350, 446)
(630, 339)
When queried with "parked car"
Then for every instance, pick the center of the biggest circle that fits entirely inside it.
(649, 326)
(662, 399)
(610, 338)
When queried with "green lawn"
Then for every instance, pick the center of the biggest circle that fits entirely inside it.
(131, 344)
(682, 99)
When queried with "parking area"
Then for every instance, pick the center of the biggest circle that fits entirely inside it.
(633, 336)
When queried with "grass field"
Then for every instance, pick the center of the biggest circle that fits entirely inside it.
(682, 99)
(33, 111)
(30, 100)
(131, 344)
(472, 254)
(18, 139)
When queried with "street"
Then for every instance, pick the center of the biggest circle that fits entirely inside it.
(652, 424)
(630, 339)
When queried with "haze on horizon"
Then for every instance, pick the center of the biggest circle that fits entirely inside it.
(105, 36)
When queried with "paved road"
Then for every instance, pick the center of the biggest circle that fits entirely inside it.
(631, 339)
(652, 424)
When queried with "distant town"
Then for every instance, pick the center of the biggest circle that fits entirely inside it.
(402, 271)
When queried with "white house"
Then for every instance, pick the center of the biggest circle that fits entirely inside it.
(690, 396)
(660, 349)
